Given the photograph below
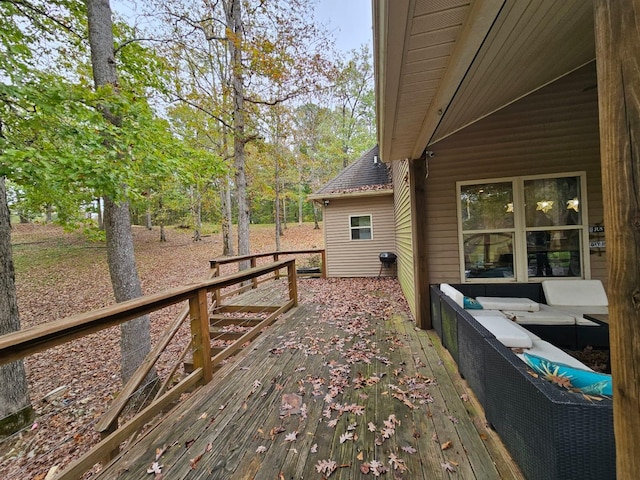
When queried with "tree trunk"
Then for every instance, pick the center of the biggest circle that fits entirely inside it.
(618, 65)
(300, 203)
(315, 217)
(284, 213)
(196, 205)
(135, 341)
(49, 213)
(225, 199)
(277, 199)
(234, 24)
(100, 217)
(15, 406)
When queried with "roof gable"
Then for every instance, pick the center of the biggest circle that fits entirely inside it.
(369, 172)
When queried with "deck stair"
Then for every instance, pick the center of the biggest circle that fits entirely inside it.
(228, 325)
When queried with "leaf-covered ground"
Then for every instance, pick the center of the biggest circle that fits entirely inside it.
(59, 274)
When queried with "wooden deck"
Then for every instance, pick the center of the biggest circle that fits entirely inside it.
(313, 390)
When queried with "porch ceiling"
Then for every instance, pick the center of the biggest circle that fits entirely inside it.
(442, 65)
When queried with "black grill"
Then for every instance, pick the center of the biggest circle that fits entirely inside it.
(388, 259)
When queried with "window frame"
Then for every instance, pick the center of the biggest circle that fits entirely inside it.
(352, 228)
(520, 229)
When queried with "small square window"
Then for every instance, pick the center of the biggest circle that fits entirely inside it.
(360, 226)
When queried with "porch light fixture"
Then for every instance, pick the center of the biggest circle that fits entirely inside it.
(573, 204)
(325, 203)
(545, 205)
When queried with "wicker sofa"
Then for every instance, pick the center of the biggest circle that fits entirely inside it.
(550, 432)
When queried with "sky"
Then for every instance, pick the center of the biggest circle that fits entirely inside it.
(348, 20)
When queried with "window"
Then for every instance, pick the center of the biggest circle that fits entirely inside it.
(523, 228)
(361, 228)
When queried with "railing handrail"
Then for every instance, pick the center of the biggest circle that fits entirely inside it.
(16, 345)
(239, 258)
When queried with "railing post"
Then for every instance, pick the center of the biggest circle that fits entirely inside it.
(254, 280)
(293, 282)
(276, 257)
(201, 340)
(216, 273)
(324, 263)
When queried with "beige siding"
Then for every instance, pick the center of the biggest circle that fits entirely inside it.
(404, 244)
(358, 258)
(551, 131)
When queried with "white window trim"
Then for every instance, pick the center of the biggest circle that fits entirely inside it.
(520, 245)
(351, 229)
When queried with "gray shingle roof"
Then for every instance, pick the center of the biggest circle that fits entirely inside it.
(369, 172)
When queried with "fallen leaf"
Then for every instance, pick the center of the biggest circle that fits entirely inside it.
(446, 445)
(194, 461)
(155, 468)
(448, 467)
(261, 449)
(326, 466)
(360, 456)
(409, 449)
(346, 436)
(291, 437)
(314, 448)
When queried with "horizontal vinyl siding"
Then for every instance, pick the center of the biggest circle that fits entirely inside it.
(404, 232)
(358, 258)
(551, 131)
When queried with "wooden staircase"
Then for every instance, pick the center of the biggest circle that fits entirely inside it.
(232, 328)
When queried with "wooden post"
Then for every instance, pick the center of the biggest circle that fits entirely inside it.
(324, 263)
(618, 65)
(200, 334)
(417, 174)
(276, 257)
(293, 282)
(254, 280)
(216, 273)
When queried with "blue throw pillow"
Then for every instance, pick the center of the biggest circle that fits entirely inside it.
(591, 383)
(471, 303)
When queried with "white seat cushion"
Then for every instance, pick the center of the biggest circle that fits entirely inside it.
(451, 292)
(583, 322)
(545, 316)
(578, 310)
(552, 353)
(509, 333)
(485, 313)
(508, 303)
(575, 293)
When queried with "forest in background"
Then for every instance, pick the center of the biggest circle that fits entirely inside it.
(308, 112)
(175, 112)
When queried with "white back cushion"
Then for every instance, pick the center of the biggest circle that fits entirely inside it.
(508, 303)
(451, 292)
(506, 331)
(574, 292)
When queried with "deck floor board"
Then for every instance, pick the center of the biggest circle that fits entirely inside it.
(215, 434)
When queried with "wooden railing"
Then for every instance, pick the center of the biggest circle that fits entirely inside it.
(216, 263)
(20, 344)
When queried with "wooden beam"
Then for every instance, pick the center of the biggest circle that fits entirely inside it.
(111, 415)
(200, 339)
(482, 15)
(76, 469)
(618, 63)
(25, 342)
(417, 181)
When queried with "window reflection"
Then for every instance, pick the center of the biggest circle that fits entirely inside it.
(486, 206)
(554, 253)
(488, 255)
